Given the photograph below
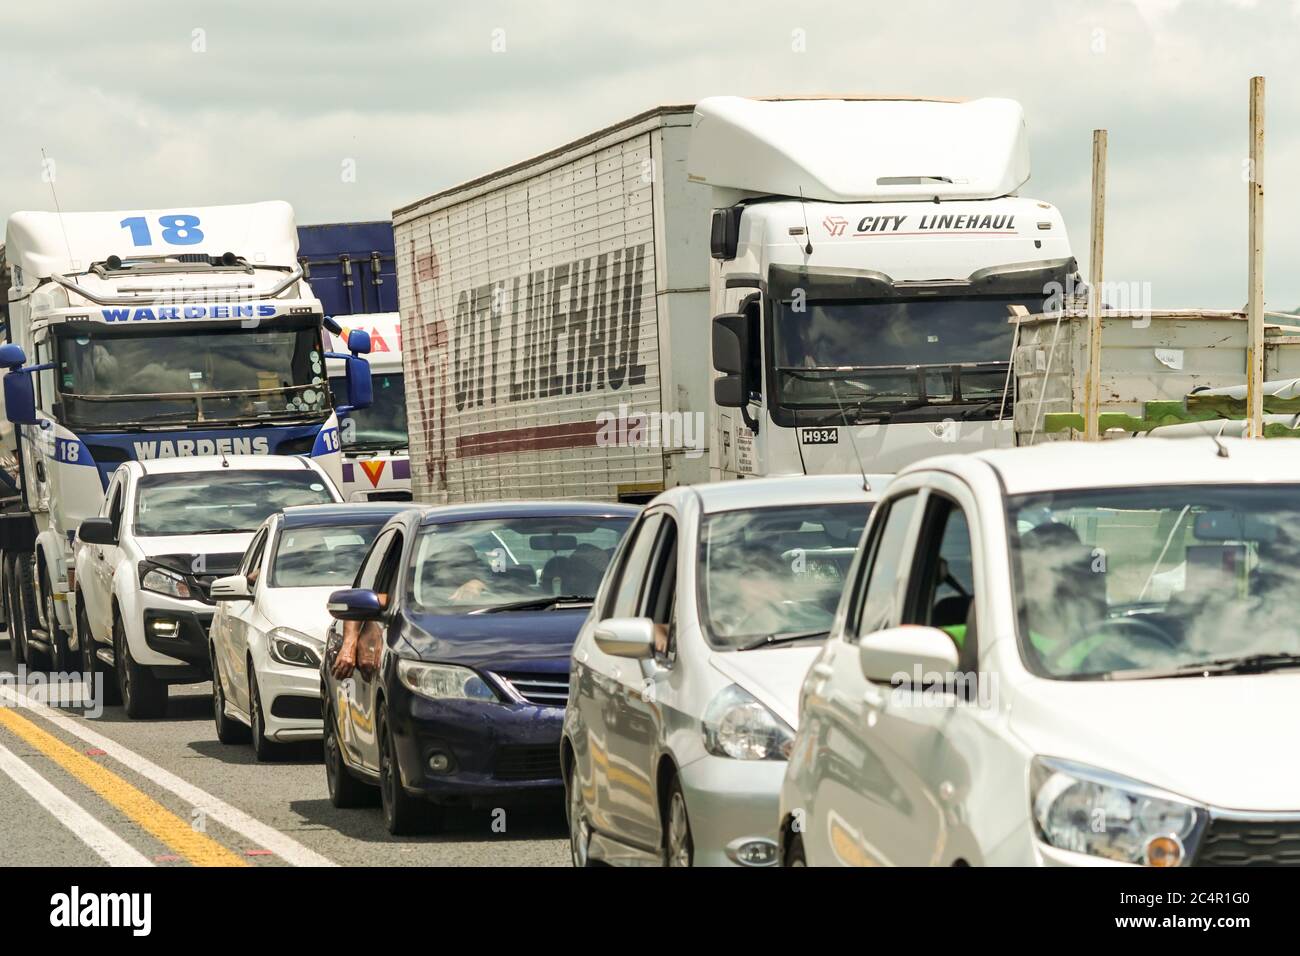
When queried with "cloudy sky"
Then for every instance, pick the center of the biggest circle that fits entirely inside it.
(170, 102)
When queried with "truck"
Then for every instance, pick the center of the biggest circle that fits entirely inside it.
(728, 289)
(350, 266)
(149, 334)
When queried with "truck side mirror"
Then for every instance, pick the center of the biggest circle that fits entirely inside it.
(359, 342)
(20, 396)
(729, 392)
(360, 390)
(730, 342)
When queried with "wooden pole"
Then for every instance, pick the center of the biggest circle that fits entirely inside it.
(1255, 266)
(1092, 387)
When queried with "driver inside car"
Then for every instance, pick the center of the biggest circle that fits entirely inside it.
(1065, 595)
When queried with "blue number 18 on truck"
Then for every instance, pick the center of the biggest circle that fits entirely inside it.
(145, 334)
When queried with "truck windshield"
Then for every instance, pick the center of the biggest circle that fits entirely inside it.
(382, 426)
(883, 356)
(771, 573)
(1156, 581)
(216, 502)
(111, 378)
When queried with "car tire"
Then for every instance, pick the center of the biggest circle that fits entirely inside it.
(346, 791)
(264, 748)
(90, 663)
(794, 852)
(404, 814)
(143, 695)
(679, 845)
(25, 594)
(229, 730)
(12, 610)
(60, 653)
(575, 816)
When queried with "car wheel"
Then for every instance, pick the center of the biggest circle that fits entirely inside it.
(143, 695)
(403, 814)
(12, 610)
(25, 593)
(794, 855)
(264, 748)
(346, 791)
(60, 654)
(102, 685)
(579, 830)
(229, 731)
(679, 847)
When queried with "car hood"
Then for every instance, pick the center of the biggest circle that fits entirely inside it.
(1216, 740)
(302, 609)
(538, 641)
(772, 674)
(180, 551)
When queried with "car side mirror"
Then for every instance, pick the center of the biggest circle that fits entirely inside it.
(898, 653)
(233, 588)
(632, 637)
(354, 604)
(97, 531)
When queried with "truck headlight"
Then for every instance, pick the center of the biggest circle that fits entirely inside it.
(737, 725)
(443, 681)
(1086, 810)
(291, 647)
(162, 581)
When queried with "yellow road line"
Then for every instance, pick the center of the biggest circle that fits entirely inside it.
(196, 847)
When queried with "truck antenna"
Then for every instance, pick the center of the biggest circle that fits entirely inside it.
(45, 166)
(807, 236)
(844, 417)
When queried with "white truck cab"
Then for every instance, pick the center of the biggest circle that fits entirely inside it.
(867, 254)
(167, 529)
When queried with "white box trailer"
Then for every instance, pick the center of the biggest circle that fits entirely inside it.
(540, 303)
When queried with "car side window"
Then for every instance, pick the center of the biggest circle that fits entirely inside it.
(884, 564)
(369, 571)
(386, 579)
(660, 599)
(625, 601)
(253, 557)
(941, 587)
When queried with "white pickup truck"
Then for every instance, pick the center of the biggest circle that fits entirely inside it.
(144, 565)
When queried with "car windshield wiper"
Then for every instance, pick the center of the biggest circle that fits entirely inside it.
(1245, 664)
(768, 640)
(537, 604)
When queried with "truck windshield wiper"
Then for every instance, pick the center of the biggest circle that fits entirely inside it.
(1245, 664)
(537, 604)
(768, 640)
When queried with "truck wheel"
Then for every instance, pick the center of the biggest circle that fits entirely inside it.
(12, 610)
(143, 695)
(228, 731)
(37, 660)
(103, 684)
(403, 814)
(346, 791)
(60, 654)
(263, 748)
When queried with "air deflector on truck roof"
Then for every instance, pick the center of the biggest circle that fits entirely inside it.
(856, 150)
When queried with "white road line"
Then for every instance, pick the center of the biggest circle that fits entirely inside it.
(266, 837)
(111, 848)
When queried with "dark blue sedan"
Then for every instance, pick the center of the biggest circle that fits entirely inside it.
(466, 617)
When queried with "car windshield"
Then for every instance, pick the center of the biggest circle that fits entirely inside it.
(1154, 579)
(108, 378)
(211, 502)
(775, 572)
(465, 566)
(883, 356)
(380, 427)
(322, 556)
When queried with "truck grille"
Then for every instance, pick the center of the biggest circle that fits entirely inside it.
(520, 762)
(548, 690)
(1230, 842)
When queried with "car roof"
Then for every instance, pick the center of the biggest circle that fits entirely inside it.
(298, 516)
(198, 463)
(437, 514)
(794, 490)
(1126, 462)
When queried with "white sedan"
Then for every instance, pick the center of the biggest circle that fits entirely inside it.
(1066, 655)
(268, 634)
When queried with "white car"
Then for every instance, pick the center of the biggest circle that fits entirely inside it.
(268, 634)
(1015, 677)
(684, 678)
(166, 530)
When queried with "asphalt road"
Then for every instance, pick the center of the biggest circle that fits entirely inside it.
(77, 791)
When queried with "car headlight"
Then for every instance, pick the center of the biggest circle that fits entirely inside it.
(161, 581)
(295, 648)
(1091, 811)
(737, 725)
(443, 681)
